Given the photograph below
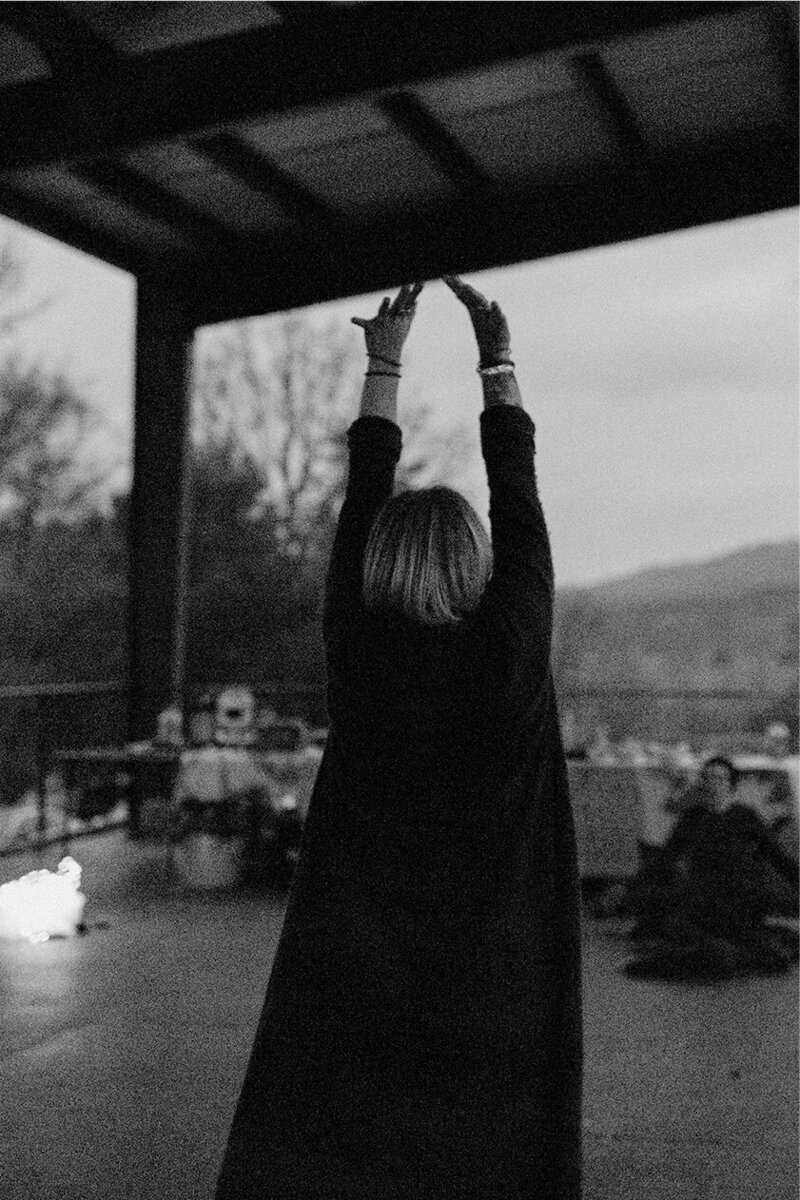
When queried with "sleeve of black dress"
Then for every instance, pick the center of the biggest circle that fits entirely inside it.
(519, 597)
(374, 448)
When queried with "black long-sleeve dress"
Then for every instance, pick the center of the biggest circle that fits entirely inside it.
(421, 1033)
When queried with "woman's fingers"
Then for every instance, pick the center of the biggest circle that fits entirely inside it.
(467, 294)
(402, 305)
(476, 298)
(488, 322)
(406, 298)
(400, 302)
(364, 322)
(455, 285)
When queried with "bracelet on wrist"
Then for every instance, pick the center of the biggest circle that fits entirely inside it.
(385, 374)
(387, 362)
(506, 367)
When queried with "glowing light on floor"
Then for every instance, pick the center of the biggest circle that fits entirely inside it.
(42, 904)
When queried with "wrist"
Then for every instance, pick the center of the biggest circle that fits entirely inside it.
(503, 366)
(379, 395)
(491, 358)
(501, 390)
(389, 360)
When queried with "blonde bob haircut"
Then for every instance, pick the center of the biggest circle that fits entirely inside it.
(428, 557)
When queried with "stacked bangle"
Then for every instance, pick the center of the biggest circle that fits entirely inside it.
(385, 374)
(387, 362)
(500, 368)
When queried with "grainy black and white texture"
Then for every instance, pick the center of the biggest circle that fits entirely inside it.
(421, 1033)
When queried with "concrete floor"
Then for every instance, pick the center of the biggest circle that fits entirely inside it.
(122, 1051)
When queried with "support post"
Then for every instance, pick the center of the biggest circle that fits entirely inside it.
(42, 709)
(158, 525)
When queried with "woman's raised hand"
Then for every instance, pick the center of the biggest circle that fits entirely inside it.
(386, 332)
(490, 325)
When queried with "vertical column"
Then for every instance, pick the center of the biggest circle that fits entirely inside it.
(159, 506)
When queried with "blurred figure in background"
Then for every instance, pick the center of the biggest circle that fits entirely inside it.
(702, 909)
(713, 789)
(777, 740)
(600, 749)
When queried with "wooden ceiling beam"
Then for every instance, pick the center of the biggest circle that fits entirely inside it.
(149, 198)
(204, 86)
(301, 13)
(786, 40)
(252, 168)
(411, 117)
(66, 43)
(50, 219)
(615, 110)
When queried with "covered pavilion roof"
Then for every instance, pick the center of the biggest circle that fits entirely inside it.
(262, 156)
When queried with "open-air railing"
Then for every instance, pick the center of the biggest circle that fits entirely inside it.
(37, 720)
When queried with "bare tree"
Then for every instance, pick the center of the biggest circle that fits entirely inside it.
(44, 423)
(285, 390)
(15, 306)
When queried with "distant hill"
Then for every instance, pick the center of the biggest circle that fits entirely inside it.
(771, 567)
(728, 625)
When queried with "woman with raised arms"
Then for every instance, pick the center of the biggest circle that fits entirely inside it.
(421, 1033)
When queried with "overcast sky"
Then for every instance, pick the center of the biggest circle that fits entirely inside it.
(662, 375)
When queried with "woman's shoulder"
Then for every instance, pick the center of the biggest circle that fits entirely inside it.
(743, 817)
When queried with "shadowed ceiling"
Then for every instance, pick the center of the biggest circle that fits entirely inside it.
(262, 156)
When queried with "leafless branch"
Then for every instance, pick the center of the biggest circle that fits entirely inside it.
(286, 390)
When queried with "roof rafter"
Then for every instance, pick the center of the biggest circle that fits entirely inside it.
(411, 116)
(241, 160)
(151, 199)
(785, 35)
(614, 108)
(273, 69)
(67, 44)
(50, 219)
(301, 13)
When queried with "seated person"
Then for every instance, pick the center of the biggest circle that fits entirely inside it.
(707, 900)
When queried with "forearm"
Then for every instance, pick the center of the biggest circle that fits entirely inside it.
(379, 393)
(374, 448)
(523, 567)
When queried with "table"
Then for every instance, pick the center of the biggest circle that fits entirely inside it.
(143, 772)
(135, 772)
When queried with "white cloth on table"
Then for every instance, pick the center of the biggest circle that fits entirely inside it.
(212, 774)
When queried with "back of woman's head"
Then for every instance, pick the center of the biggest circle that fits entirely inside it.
(428, 557)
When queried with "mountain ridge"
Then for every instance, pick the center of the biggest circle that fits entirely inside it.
(764, 567)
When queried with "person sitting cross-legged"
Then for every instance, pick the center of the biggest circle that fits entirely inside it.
(704, 913)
